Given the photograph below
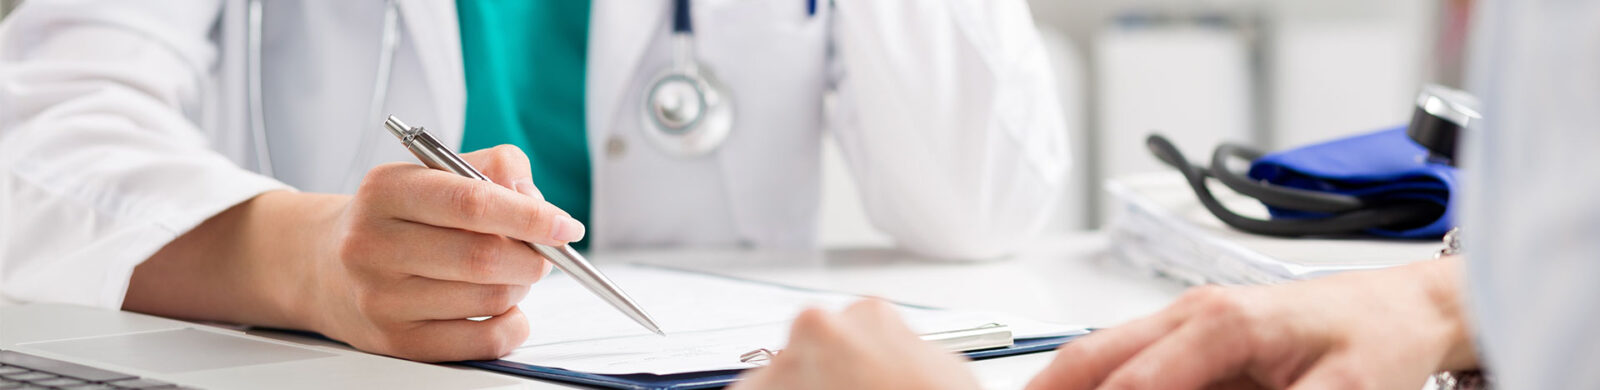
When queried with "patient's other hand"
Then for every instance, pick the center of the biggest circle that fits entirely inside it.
(1386, 329)
(865, 347)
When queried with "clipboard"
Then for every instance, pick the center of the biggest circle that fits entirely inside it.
(717, 379)
(978, 343)
(984, 337)
(987, 341)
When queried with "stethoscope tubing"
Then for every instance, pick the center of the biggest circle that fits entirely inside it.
(390, 41)
(681, 23)
(257, 118)
(1276, 196)
(1348, 222)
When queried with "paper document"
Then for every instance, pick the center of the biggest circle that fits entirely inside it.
(709, 321)
(1159, 225)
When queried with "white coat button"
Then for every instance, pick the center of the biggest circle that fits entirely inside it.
(616, 147)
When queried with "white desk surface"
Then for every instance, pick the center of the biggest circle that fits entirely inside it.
(1062, 278)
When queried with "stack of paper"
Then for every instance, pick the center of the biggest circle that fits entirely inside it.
(1159, 225)
(709, 321)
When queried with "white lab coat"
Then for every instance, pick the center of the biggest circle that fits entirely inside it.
(123, 123)
(1532, 221)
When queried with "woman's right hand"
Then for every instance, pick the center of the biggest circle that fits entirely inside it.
(395, 269)
(418, 251)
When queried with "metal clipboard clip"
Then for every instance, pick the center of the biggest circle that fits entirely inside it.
(986, 336)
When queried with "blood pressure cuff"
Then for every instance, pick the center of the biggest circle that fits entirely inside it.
(1379, 167)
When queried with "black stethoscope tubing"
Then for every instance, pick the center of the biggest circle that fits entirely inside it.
(680, 17)
(1350, 215)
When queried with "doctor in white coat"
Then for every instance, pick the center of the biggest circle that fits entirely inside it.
(223, 160)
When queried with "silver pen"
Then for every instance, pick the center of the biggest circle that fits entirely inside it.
(435, 155)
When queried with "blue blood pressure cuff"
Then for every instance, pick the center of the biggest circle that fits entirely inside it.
(1376, 184)
(1397, 183)
(1379, 168)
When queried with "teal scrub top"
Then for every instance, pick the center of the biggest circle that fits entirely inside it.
(524, 63)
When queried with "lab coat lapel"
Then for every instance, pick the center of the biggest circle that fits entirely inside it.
(433, 30)
(618, 31)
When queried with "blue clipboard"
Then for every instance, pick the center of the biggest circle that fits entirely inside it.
(713, 379)
(723, 378)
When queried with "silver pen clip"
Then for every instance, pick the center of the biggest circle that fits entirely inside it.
(986, 336)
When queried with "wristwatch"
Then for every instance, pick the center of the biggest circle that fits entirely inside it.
(1452, 243)
(1457, 380)
(1461, 380)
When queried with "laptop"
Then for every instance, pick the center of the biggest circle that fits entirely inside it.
(50, 345)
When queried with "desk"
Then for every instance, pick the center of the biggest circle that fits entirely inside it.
(1061, 278)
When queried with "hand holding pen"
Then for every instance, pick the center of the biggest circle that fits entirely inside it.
(416, 251)
(438, 156)
(396, 268)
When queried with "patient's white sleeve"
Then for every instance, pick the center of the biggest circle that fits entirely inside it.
(1532, 222)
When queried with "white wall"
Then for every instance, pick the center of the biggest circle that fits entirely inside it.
(1191, 84)
(1345, 67)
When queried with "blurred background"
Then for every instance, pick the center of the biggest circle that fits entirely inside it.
(1274, 73)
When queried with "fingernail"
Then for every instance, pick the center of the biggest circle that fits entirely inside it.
(526, 187)
(566, 229)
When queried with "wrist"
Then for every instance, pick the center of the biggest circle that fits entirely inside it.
(1442, 281)
(297, 230)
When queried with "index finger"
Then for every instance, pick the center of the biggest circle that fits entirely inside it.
(1199, 353)
(439, 198)
(1087, 361)
(878, 315)
(507, 166)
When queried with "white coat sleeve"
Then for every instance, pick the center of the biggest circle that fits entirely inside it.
(948, 116)
(1531, 226)
(101, 162)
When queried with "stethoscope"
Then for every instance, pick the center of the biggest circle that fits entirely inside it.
(380, 88)
(686, 111)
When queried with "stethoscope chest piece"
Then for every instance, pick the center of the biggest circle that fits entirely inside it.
(687, 112)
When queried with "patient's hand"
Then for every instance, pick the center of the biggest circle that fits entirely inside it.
(865, 347)
(1385, 329)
